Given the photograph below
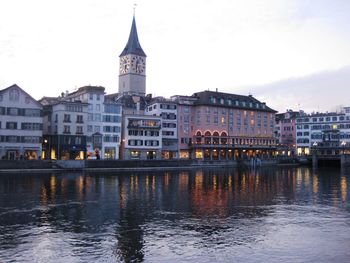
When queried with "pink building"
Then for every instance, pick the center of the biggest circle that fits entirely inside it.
(219, 126)
(285, 132)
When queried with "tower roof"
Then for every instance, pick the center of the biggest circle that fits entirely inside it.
(133, 46)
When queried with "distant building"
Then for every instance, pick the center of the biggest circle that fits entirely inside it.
(316, 128)
(142, 137)
(65, 125)
(220, 126)
(103, 121)
(285, 132)
(167, 110)
(21, 124)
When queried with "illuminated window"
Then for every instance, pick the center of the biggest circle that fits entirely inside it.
(199, 154)
(135, 154)
(184, 155)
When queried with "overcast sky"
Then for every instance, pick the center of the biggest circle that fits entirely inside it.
(291, 54)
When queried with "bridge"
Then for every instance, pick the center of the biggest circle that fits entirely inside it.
(339, 155)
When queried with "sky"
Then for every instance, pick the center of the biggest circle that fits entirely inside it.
(291, 54)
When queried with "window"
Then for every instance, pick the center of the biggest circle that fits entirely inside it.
(77, 140)
(14, 95)
(97, 128)
(32, 112)
(80, 119)
(113, 108)
(79, 130)
(186, 118)
(13, 111)
(66, 118)
(11, 125)
(97, 117)
(89, 128)
(66, 129)
(98, 107)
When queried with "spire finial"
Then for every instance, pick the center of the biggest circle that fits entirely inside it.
(135, 5)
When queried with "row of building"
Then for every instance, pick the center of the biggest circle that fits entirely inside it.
(88, 123)
(297, 133)
(131, 124)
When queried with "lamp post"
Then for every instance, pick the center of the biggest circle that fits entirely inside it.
(343, 144)
(315, 147)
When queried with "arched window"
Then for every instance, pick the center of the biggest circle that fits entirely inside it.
(207, 137)
(223, 138)
(215, 138)
(198, 137)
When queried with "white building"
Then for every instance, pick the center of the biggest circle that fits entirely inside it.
(167, 110)
(142, 137)
(103, 123)
(21, 124)
(312, 129)
(65, 125)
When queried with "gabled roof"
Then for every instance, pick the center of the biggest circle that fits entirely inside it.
(133, 46)
(18, 87)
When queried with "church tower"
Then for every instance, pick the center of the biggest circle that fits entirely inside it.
(132, 66)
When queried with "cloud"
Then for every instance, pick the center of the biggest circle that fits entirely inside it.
(323, 91)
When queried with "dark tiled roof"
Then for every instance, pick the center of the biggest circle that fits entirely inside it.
(220, 99)
(129, 101)
(133, 46)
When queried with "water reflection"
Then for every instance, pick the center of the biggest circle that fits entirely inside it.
(169, 216)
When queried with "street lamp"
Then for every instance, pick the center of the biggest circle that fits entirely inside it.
(343, 144)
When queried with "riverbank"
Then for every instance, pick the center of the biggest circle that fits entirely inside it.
(23, 166)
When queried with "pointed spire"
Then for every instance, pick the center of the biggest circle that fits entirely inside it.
(133, 46)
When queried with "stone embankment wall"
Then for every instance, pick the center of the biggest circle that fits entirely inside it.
(24, 165)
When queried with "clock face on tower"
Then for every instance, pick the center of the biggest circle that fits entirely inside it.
(124, 65)
(138, 65)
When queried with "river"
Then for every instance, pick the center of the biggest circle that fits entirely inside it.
(211, 215)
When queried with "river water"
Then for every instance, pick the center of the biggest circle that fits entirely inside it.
(211, 215)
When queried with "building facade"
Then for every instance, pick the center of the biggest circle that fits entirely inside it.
(167, 110)
(285, 132)
(103, 122)
(65, 127)
(314, 129)
(21, 125)
(142, 137)
(221, 126)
